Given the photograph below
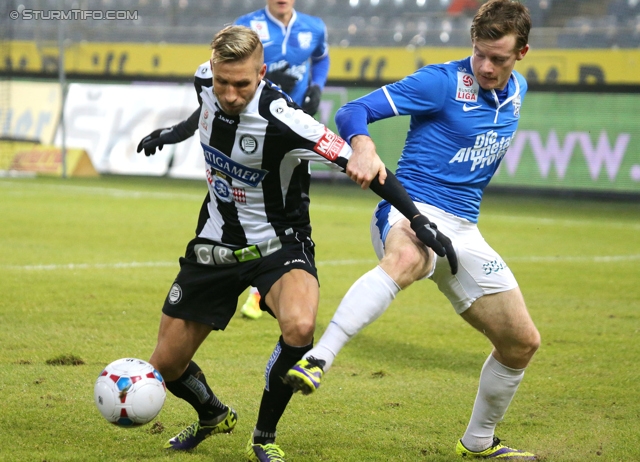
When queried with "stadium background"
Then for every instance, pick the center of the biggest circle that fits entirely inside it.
(122, 78)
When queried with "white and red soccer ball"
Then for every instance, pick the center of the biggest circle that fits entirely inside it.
(129, 392)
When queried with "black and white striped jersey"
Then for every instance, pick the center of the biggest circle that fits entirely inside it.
(203, 78)
(258, 167)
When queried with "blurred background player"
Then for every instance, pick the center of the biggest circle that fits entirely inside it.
(296, 53)
(464, 115)
(295, 50)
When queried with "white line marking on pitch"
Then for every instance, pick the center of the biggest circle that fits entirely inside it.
(315, 205)
(152, 264)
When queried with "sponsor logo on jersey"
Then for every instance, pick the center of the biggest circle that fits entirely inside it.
(208, 254)
(222, 163)
(304, 39)
(175, 294)
(206, 113)
(261, 28)
(295, 260)
(466, 108)
(296, 70)
(248, 144)
(493, 266)
(329, 145)
(467, 88)
(219, 116)
(486, 150)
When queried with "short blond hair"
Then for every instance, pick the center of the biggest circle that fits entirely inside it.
(235, 43)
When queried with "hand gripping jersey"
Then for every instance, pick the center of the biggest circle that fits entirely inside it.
(258, 167)
(457, 137)
(301, 44)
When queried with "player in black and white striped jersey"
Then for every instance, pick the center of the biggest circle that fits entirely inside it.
(254, 229)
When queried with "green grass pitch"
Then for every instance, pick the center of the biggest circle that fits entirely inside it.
(85, 266)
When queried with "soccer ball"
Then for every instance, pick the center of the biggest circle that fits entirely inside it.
(129, 392)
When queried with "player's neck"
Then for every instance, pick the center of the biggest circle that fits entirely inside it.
(284, 18)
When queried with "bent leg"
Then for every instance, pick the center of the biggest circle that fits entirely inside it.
(178, 340)
(504, 319)
(405, 260)
(293, 299)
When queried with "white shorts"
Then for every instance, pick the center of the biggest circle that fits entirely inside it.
(481, 271)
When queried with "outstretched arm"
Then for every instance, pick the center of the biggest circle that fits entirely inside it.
(171, 135)
(426, 230)
(393, 192)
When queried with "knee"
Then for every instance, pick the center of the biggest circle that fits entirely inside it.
(519, 353)
(533, 342)
(170, 370)
(299, 331)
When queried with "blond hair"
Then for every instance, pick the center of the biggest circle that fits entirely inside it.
(235, 43)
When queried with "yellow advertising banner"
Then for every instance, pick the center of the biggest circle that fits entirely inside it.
(44, 160)
(104, 59)
(32, 112)
(541, 66)
(606, 66)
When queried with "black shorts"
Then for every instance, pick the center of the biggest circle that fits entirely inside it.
(208, 294)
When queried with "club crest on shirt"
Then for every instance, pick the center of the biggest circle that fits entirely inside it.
(304, 39)
(517, 102)
(467, 89)
(248, 144)
(261, 28)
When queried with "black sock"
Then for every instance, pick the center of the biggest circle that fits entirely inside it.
(276, 393)
(193, 388)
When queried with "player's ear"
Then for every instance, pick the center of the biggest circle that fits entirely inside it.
(522, 52)
(263, 71)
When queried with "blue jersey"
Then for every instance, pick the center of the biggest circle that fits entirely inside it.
(458, 132)
(302, 45)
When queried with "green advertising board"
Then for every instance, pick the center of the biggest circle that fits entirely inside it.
(572, 141)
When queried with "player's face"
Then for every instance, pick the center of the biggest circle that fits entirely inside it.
(235, 82)
(493, 61)
(281, 9)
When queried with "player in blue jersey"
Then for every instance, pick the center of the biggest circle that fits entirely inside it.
(464, 115)
(295, 50)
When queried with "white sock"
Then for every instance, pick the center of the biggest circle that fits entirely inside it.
(498, 385)
(365, 301)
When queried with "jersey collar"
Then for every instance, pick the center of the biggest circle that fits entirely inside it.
(294, 16)
(515, 94)
(286, 30)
